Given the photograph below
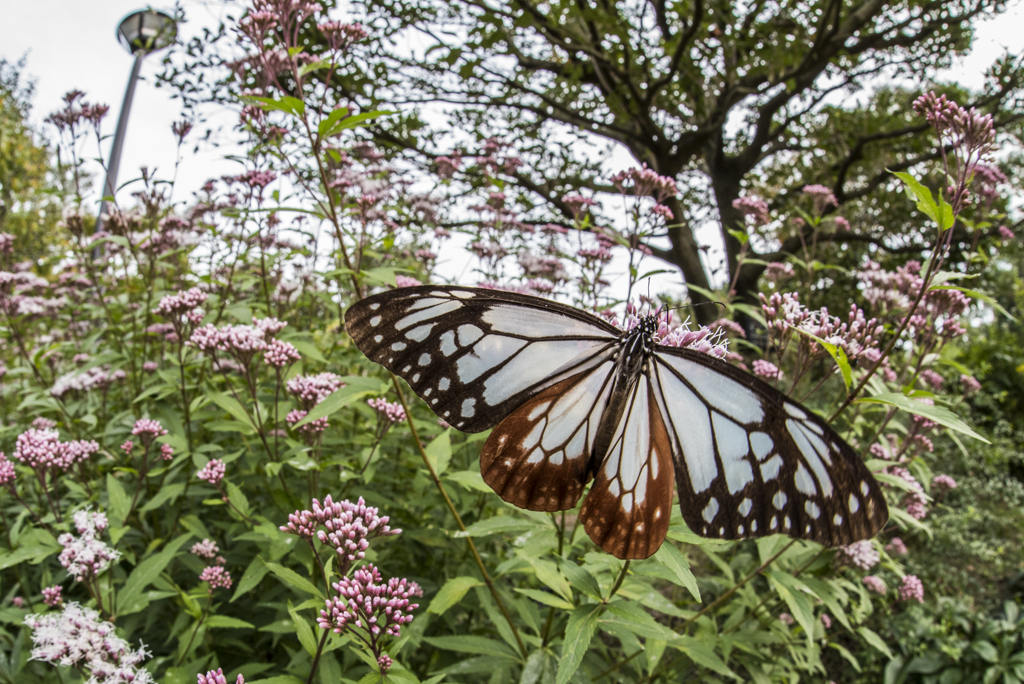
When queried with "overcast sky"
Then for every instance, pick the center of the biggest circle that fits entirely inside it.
(71, 44)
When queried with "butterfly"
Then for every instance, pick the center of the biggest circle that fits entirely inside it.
(573, 399)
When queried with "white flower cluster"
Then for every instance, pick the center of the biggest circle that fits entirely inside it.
(85, 555)
(77, 637)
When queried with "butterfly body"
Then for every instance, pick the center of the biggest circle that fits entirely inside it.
(574, 400)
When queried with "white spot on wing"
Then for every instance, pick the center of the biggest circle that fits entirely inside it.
(711, 510)
(374, 306)
(443, 384)
(732, 448)
(745, 507)
(425, 302)
(424, 359)
(779, 500)
(468, 408)
(837, 520)
(427, 314)
(378, 338)
(398, 346)
(770, 468)
(375, 321)
(812, 509)
(807, 443)
(538, 409)
(468, 334)
(854, 503)
(864, 489)
(419, 333)
(795, 411)
(761, 444)
(448, 343)
(627, 502)
(804, 481)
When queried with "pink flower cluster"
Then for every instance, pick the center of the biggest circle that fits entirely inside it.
(943, 483)
(147, 429)
(281, 354)
(77, 637)
(205, 549)
(643, 182)
(778, 271)
(912, 589)
(821, 198)
(970, 383)
(85, 381)
(390, 410)
(52, 595)
(896, 547)
(346, 527)
(862, 554)
(85, 556)
(857, 336)
(213, 472)
(366, 603)
(43, 450)
(875, 584)
(767, 369)
(670, 334)
(7, 472)
(755, 207)
(185, 305)
(786, 619)
(915, 500)
(217, 576)
(217, 677)
(310, 390)
(242, 342)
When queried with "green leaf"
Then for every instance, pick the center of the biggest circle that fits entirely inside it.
(119, 501)
(578, 633)
(497, 525)
(451, 593)
(225, 622)
(546, 598)
(581, 579)
(439, 451)
(237, 498)
(940, 211)
(791, 591)
(353, 121)
(289, 576)
(287, 104)
(279, 679)
(939, 414)
(469, 479)
(167, 494)
(252, 576)
(673, 559)
(303, 631)
(633, 618)
(699, 653)
(472, 644)
(331, 119)
(355, 387)
(307, 349)
(946, 276)
(232, 406)
(875, 641)
(147, 571)
(837, 354)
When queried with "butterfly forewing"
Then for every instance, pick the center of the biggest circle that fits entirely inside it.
(475, 355)
(749, 462)
(539, 457)
(628, 508)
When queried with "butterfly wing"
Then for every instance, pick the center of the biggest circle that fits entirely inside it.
(749, 462)
(539, 457)
(475, 355)
(629, 506)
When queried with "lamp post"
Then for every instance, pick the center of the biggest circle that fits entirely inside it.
(140, 33)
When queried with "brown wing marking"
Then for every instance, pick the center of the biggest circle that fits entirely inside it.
(538, 457)
(628, 508)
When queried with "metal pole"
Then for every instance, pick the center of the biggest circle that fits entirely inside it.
(110, 184)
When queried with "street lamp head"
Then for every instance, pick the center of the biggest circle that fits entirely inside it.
(146, 31)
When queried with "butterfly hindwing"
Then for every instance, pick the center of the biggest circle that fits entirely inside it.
(628, 508)
(539, 457)
(475, 355)
(750, 462)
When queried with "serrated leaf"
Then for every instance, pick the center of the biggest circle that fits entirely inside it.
(167, 494)
(581, 579)
(148, 570)
(940, 415)
(439, 451)
(119, 501)
(225, 622)
(303, 631)
(875, 641)
(472, 644)
(294, 579)
(546, 598)
(502, 524)
(791, 591)
(252, 576)
(232, 406)
(578, 633)
(451, 593)
(699, 653)
(673, 559)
